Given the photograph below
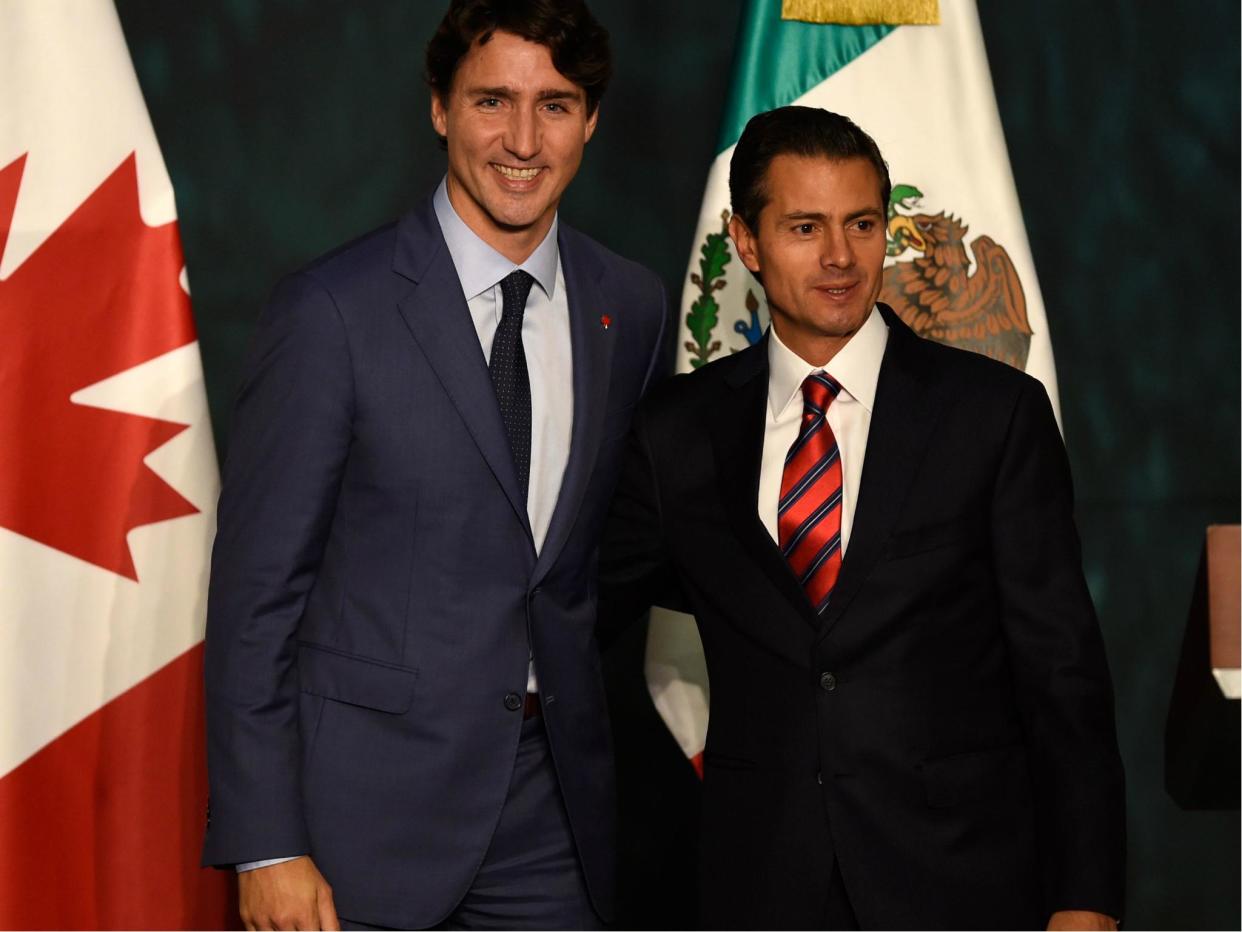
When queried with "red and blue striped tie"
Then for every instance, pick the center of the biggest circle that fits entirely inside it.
(809, 514)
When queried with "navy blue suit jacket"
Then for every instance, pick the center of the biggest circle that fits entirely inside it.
(375, 587)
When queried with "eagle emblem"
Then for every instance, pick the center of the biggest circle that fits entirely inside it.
(940, 297)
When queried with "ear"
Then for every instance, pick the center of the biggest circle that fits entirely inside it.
(439, 115)
(744, 243)
(592, 120)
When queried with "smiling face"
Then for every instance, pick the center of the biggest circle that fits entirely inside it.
(819, 247)
(516, 128)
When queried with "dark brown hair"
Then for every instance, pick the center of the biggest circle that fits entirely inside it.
(578, 43)
(806, 131)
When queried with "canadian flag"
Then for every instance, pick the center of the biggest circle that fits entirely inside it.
(108, 483)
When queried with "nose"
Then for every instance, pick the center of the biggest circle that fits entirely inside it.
(837, 253)
(522, 135)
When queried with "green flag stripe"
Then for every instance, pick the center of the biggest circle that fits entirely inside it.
(780, 60)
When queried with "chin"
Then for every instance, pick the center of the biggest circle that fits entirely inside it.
(521, 214)
(840, 325)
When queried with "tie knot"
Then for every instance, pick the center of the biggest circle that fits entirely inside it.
(516, 289)
(818, 391)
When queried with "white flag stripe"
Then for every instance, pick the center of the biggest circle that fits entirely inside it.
(677, 677)
(943, 134)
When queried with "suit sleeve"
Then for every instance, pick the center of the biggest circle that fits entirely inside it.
(635, 571)
(287, 451)
(1060, 671)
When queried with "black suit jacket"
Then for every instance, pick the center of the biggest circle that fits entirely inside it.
(375, 591)
(945, 730)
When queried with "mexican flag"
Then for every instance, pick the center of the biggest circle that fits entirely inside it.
(914, 75)
(108, 484)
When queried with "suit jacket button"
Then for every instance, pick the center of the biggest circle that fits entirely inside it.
(513, 702)
(827, 682)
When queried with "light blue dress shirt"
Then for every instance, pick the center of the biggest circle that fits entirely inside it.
(545, 339)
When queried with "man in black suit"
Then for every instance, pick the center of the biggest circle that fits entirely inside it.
(911, 713)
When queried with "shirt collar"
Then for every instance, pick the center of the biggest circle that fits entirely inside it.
(855, 367)
(479, 266)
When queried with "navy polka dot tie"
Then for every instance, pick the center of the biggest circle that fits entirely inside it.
(509, 376)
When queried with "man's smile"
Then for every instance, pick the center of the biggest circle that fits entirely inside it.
(520, 175)
(837, 291)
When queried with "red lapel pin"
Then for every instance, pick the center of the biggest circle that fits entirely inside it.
(606, 321)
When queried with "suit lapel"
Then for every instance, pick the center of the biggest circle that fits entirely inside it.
(737, 440)
(592, 347)
(436, 313)
(901, 424)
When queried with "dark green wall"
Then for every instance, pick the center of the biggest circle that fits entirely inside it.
(1122, 123)
(289, 127)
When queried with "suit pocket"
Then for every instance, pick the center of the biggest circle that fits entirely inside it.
(964, 778)
(355, 680)
(932, 536)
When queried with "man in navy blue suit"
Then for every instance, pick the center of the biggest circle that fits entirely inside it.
(407, 724)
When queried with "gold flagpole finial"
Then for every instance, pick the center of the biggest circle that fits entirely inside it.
(864, 12)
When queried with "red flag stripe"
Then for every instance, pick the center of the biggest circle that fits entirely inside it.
(101, 829)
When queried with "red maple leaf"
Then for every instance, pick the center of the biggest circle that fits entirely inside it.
(101, 295)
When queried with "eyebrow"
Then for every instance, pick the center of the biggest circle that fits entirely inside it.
(819, 217)
(508, 93)
(560, 93)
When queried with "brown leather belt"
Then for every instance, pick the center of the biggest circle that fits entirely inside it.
(531, 709)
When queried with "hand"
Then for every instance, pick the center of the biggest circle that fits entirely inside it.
(290, 895)
(1070, 920)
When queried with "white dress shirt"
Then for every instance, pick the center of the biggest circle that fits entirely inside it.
(856, 368)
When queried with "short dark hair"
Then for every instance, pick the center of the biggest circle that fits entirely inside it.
(806, 131)
(578, 43)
